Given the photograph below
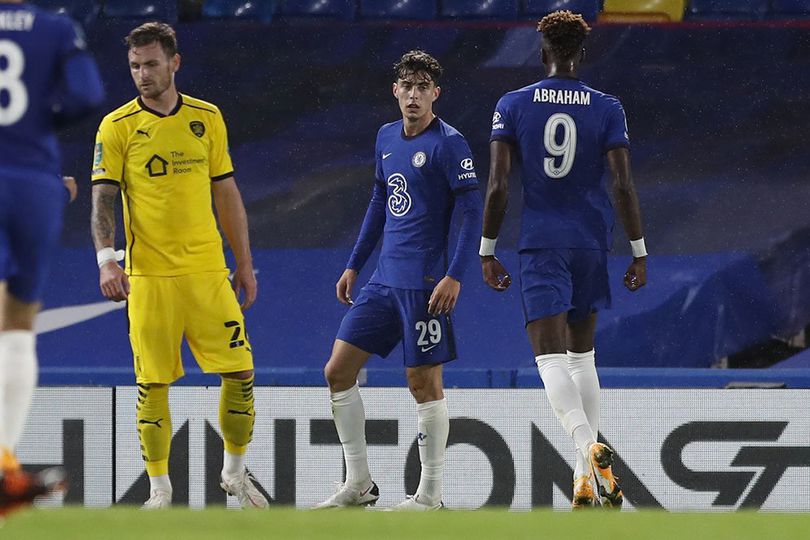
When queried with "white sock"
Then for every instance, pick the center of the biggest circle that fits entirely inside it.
(232, 464)
(161, 482)
(350, 421)
(582, 367)
(18, 378)
(564, 397)
(434, 427)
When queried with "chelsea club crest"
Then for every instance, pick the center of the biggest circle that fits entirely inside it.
(419, 159)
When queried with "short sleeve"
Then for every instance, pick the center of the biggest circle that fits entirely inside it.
(457, 163)
(108, 154)
(502, 125)
(616, 135)
(220, 165)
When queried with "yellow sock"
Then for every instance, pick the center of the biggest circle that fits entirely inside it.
(236, 414)
(154, 427)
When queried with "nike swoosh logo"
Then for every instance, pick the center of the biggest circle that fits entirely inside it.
(53, 319)
(58, 318)
(426, 349)
(386, 155)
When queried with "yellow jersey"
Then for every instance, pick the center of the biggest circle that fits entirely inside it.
(164, 165)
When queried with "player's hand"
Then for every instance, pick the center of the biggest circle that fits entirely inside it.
(636, 275)
(244, 280)
(71, 187)
(344, 286)
(495, 275)
(113, 282)
(444, 296)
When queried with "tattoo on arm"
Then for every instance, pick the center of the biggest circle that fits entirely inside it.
(102, 217)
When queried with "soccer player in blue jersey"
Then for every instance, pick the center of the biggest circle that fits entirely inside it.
(570, 138)
(424, 174)
(46, 79)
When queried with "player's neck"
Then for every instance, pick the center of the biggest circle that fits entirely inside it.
(567, 69)
(165, 103)
(414, 128)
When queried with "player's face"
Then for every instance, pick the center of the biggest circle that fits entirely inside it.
(416, 93)
(152, 70)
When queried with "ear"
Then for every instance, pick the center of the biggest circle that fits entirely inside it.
(175, 62)
(437, 90)
(394, 89)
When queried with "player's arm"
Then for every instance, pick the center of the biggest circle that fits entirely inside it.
(233, 219)
(627, 206)
(81, 89)
(500, 165)
(113, 281)
(456, 158)
(370, 233)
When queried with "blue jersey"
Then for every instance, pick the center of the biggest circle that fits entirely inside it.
(421, 175)
(42, 79)
(562, 130)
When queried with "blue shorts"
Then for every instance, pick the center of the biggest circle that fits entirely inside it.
(31, 208)
(554, 281)
(383, 316)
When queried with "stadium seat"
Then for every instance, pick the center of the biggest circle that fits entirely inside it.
(790, 8)
(83, 11)
(165, 10)
(727, 9)
(343, 9)
(496, 9)
(239, 9)
(538, 8)
(398, 9)
(644, 11)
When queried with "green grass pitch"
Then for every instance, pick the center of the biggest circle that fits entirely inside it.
(219, 524)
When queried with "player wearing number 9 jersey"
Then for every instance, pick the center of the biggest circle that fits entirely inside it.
(424, 174)
(569, 139)
(47, 79)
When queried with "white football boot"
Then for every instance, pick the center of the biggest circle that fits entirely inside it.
(346, 495)
(241, 486)
(413, 504)
(158, 498)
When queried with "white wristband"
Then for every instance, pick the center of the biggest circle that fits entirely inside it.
(638, 248)
(487, 247)
(107, 254)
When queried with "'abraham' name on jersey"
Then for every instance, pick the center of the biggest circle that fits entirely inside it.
(561, 97)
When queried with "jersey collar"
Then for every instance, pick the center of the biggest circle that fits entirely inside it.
(433, 123)
(159, 114)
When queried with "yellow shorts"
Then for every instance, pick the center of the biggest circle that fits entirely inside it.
(203, 307)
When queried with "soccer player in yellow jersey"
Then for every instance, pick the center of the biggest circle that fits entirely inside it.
(167, 154)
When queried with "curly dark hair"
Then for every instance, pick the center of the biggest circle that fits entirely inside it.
(564, 33)
(152, 32)
(418, 62)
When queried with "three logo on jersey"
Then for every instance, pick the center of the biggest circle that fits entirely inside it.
(399, 201)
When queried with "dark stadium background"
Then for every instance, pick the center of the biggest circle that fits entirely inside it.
(718, 110)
